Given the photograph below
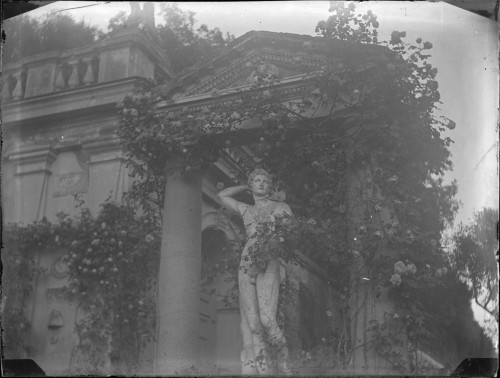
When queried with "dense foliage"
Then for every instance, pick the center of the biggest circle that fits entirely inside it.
(112, 261)
(474, 249)
(19, 274)
(185, 45)
(28, 36)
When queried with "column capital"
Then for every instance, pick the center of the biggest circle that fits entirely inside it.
(33, 158)
(103, 150)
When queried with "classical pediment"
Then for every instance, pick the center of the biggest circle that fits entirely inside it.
(260, 63)
(260, 55)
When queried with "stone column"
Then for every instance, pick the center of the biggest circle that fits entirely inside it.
(179, 273)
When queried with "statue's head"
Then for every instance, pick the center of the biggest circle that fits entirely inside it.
(260, 182)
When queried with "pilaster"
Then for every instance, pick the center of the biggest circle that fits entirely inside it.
(31, 170)
(107, 171)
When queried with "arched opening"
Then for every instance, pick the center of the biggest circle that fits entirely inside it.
(220, 338)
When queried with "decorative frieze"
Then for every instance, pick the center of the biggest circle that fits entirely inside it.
(244, 67)
(70, 183)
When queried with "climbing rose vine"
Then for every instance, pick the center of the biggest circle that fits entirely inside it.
(112, 261)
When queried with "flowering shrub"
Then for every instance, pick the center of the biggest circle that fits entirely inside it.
(112, 261)
(19, 274)
(396, 279)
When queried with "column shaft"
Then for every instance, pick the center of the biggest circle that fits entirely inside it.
(179, 274)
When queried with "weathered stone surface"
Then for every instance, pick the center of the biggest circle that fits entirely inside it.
(70, 183)
(179, 275)
(40, 80)
(142, 66)
(114, 64)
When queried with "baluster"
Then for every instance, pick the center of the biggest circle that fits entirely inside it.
(6, 88)
(73, 81)
(59, 83)
(89, 77)
(18, 92)
(96, 65)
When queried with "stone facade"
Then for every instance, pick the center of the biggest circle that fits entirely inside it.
(58, 129)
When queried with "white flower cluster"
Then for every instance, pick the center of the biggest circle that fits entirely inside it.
(396, 279)
(400, 269)
(441, 272)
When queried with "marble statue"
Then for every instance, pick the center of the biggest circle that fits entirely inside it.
(259, 274)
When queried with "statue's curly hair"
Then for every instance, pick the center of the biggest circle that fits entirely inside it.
(262, 172)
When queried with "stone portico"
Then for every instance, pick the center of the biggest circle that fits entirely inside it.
(59, 126)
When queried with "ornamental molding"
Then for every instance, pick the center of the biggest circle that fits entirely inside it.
(56, 295)
(287, 63)
(33, 153)
(290, 89)
(59, 269)
(32, 159)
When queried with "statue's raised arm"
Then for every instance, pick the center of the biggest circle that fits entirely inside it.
(225, 197)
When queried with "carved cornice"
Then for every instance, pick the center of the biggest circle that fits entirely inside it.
(104, 150)
(290, 88)
(81, 99)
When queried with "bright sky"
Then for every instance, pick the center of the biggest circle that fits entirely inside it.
(465, 53)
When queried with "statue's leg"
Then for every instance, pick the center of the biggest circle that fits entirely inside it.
(268, 284)
(250, 320)
(247, 354)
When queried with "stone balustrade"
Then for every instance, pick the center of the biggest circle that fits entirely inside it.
(122, 56)
(51, 72)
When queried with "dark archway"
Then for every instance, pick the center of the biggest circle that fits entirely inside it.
(220, 337)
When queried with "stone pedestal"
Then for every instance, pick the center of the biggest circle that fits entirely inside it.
(179, 274)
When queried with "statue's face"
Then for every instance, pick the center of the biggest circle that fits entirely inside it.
(260, 185)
